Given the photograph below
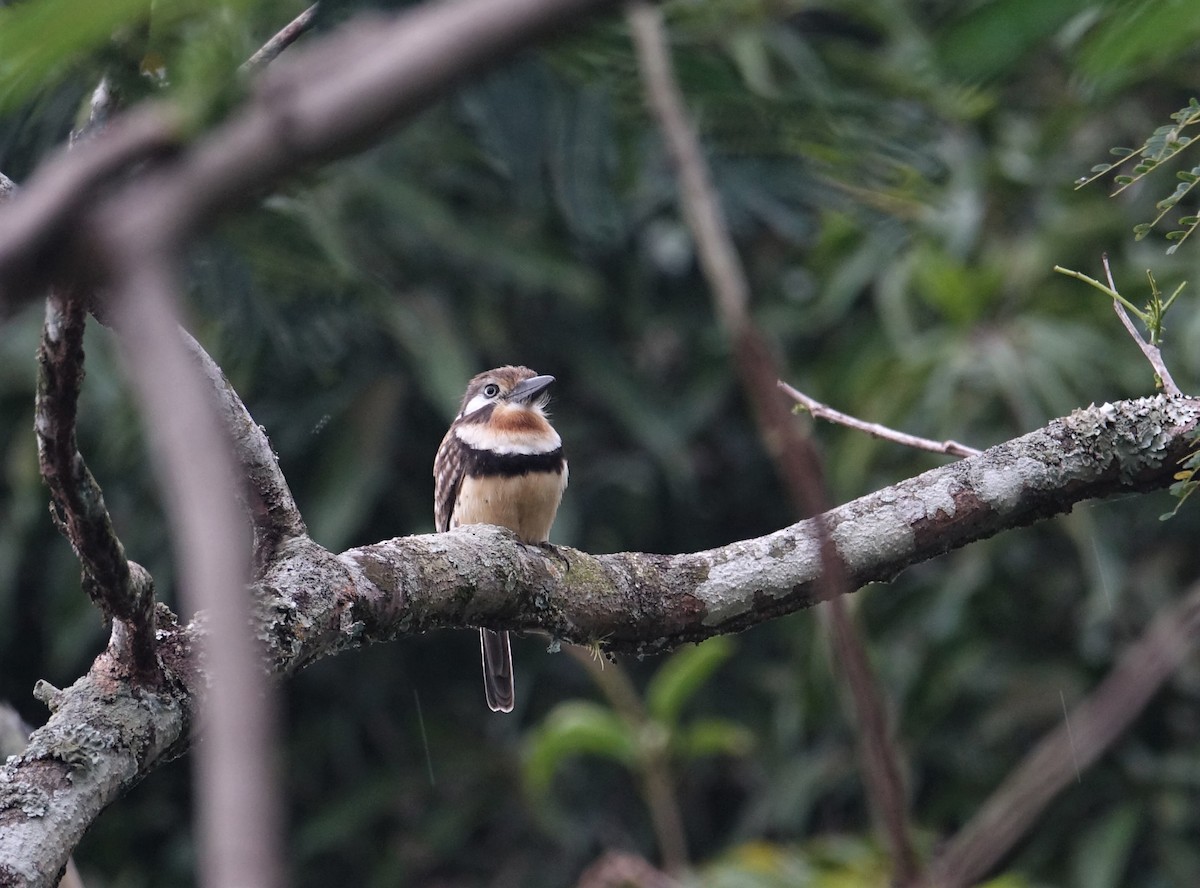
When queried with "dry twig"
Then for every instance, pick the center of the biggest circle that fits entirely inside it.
(823, 411)
(281, 41)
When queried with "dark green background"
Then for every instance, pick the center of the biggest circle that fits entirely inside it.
(898, 178)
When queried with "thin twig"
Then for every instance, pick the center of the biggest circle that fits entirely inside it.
(1151, 351)
(823, 411)
(793, 454)
(281, 41)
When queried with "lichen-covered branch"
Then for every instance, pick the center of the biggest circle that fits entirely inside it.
(268, 498)
(122, 589)
(647, 603)
(102, 737)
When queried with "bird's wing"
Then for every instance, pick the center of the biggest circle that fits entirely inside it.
(447, 475)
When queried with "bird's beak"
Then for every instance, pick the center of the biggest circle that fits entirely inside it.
(524, 392)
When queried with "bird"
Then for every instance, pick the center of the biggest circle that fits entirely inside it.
(501, 463)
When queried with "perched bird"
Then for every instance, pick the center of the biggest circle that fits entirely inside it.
(501, 463)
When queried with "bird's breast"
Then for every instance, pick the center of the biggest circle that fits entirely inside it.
(525, 504)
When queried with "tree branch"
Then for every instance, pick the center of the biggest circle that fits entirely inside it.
(239, 818)
(795, 457)
(102, 737)
(1087, 731)
(1149, 349)
(321, 101)
(268, 497)
(875, 430)
(647, 603)
(121, 589)
(290, 33)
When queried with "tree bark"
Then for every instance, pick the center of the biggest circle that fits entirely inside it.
(103, 735)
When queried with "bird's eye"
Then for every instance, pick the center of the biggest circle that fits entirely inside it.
(491, 390)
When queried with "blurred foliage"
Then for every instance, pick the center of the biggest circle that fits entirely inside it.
(644, 736)
(898, 178)
(1163, 145)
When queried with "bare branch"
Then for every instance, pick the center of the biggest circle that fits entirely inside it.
(823, 411)
(281, 41)
(102, 737)
(123, 590)
(268, 498)
(793, 453)
(1087, 731)
(238, 810)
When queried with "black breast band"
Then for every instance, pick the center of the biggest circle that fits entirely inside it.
(487, 463)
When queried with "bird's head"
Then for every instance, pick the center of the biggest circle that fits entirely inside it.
(503, 410)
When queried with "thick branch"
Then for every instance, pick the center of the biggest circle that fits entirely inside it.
(102, 738)
(316, 103)
(646, 603)
(268, 498)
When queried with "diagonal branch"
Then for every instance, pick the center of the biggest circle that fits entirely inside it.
(793, 453)
(1088, 730)
(122, 589)
(290, 33)
(318, 102)
(273, 511)
(102, 738)
(874, 429)
(1149, 349)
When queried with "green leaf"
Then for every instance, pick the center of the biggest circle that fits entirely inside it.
(682, 675)
(574, 728)
(713, 736)
(40, 41)
(1101, 857)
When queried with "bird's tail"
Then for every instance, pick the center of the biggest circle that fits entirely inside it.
(497, 670)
